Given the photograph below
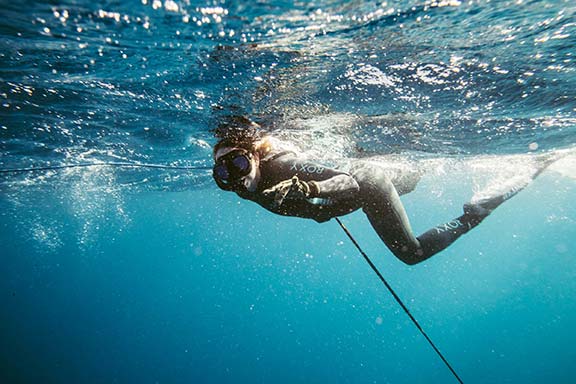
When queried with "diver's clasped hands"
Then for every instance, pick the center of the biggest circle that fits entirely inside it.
(291, 190)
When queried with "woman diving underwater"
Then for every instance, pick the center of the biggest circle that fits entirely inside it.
(284, 182)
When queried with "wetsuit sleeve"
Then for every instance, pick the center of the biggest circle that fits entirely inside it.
(339, 186)
(330, 182)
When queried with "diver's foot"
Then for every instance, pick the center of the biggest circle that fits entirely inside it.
(546, 159)
(479, 209)
(474, 213)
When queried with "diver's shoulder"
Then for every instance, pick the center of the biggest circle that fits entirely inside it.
(273, 148)
(278, 145)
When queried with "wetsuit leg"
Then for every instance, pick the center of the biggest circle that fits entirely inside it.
(381, 203)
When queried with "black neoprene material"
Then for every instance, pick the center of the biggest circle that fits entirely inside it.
(366, 186)
(338, 190)
(386, 213)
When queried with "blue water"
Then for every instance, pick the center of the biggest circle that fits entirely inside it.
(144, 275)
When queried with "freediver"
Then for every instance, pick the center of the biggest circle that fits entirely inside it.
(285, 183)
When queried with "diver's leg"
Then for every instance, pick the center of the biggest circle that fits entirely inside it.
(382, 205)
(440, 237)
(478, 209)
(391, 224)
(475, 212)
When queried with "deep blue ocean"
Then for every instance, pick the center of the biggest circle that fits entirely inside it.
(120, 274)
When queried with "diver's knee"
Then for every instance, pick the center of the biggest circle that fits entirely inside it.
(408, 255)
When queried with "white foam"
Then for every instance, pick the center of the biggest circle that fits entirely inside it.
(565, 166)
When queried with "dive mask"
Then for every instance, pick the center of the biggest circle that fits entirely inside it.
(230, 169)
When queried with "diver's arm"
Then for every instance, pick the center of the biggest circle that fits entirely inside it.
(324, 182)
(336, 187)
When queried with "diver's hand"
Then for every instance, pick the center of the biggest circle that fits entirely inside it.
(293, 189)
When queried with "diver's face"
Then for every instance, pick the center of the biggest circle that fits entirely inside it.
(237, 167)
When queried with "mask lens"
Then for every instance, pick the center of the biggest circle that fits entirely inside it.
(231, 168)
(221, 172)
(241, 163)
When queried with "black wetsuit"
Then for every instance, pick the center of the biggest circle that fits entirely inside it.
(365, 186)
(338, 191)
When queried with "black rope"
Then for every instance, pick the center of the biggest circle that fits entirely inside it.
(102, 164)
(398, 300)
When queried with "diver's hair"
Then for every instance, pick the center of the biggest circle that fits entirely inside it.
(237, 131)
